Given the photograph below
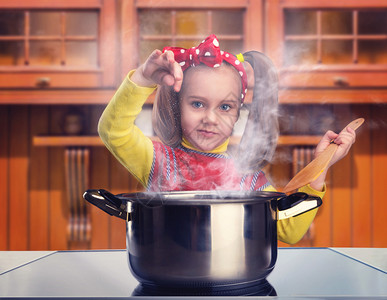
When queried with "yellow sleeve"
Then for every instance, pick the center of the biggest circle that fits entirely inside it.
(292, 230)
(117, 130)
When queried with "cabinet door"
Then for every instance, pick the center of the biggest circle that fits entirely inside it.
(329, 44)
(60, 46)
(187, 28)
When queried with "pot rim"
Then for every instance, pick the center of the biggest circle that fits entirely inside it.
(199, 197)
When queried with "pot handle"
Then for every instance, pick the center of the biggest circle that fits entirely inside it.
(111, 198)
(296, 204)
(108, 203)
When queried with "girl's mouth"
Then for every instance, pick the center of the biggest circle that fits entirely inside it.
(207, 133)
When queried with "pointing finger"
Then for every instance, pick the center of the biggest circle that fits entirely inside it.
(178, 74)
(174, 69)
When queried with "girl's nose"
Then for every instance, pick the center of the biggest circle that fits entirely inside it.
(211, 117)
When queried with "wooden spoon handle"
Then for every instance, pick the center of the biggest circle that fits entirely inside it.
(355, 124)
(319, 164)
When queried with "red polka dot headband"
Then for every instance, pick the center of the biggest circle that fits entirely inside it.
(208, 53)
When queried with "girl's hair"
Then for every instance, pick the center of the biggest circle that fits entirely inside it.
(259, 139)
(166, 116)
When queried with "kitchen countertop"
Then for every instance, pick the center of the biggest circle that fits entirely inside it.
(375, 257)
(306, 273)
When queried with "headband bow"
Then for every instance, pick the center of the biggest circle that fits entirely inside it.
(208, 53)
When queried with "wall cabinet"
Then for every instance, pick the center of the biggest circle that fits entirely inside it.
(65, 44)
(237, 23)
(334, 44)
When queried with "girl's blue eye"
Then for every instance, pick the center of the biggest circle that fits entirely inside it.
(197, 104)
(225, 107)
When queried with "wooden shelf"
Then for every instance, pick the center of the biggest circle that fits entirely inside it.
(189, 4)
(56, 96)
(289, 140)
(70, 141)
(332, 96)
(67, 141)
(103, 96)
(95, 141)
(302, 140)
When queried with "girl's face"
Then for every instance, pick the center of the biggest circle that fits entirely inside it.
(209, 105)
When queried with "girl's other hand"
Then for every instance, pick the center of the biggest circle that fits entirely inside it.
(344, 140)
(160, 68)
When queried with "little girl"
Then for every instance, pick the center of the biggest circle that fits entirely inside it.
(200, 94)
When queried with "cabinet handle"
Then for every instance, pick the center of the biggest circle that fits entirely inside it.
(43, 82)
(340, 81)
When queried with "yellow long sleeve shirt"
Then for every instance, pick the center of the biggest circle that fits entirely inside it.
(135, 151)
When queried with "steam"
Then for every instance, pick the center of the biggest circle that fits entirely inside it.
(259, 139)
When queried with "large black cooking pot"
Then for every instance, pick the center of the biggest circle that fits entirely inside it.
(201, 238)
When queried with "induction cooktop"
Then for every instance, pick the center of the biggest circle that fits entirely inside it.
(300, 273)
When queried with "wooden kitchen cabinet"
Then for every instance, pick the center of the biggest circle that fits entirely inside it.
(36, 209)
(237, 24)
(333, 44)
(57, 44)
(332, 63)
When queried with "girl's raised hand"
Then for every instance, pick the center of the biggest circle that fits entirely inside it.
(160, 68)
(344, 140)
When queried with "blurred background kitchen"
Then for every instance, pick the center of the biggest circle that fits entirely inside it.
(61, 61)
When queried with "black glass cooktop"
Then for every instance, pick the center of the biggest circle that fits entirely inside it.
(308, 273)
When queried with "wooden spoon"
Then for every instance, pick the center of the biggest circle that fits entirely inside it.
(319, 164)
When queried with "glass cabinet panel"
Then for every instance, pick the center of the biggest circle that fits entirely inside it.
(11, 36)
(336, 52)
(44, 23)
(227, 21)
(11, 53)
(80, 53)
(336, 22)
(185, 28)
(372, 52)
(82, 23)
(146, 48)
(373, 22)
(58, 44)
(231, 46)
(191, 23)
(11, 23)
(335, 36)
(44, 53)
(300, 22)
(155, 22)
(49, 38)
(300, 52)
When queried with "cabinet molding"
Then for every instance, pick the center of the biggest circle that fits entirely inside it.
(51, 4)
(56, 97)
(332, 96)
(333, 4)
(191, 4)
